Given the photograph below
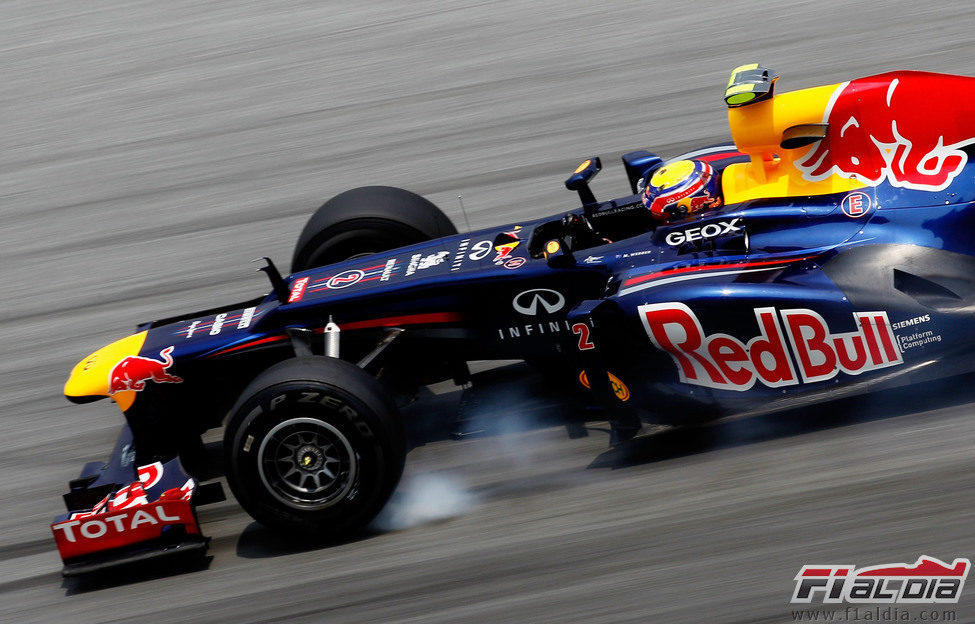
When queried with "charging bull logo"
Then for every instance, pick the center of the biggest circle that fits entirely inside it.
(133, 371)
(906, 127)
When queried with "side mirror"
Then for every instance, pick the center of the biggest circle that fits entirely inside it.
(579, 180)
(556, 254)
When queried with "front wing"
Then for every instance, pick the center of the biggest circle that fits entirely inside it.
(120, 512)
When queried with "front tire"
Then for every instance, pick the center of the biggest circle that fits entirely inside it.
(314, 447)
(367, 220)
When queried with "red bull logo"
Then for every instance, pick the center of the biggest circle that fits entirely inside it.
(131, 372)
(908, 128)
(725, 362)
(504, 251)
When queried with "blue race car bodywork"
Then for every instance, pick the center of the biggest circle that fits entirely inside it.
(828, 271)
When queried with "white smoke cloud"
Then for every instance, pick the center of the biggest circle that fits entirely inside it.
(425, 498)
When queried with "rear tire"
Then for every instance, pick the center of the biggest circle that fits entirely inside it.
(314, 447)
(367, 220)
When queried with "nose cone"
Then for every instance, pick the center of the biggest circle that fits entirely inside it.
(90, 378)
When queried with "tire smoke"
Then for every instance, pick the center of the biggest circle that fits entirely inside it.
(424, 499)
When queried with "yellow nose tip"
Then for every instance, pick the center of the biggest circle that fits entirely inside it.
(91, 376)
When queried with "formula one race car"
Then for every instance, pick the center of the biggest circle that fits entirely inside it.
(828, 252)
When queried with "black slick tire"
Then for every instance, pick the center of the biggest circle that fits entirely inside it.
(367, 220)
(314, 448)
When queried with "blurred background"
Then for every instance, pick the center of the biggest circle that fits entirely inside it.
(151, 150)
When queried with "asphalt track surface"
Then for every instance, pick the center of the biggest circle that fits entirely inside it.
(151, 150)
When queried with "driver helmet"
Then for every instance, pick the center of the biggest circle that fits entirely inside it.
(681, 188)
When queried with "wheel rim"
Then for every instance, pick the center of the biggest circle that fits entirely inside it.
(307, 463)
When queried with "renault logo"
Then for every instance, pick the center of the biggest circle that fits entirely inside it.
(530, 301)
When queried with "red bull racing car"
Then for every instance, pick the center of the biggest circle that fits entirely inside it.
(827, 252)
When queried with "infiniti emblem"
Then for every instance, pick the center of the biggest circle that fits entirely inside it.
(530, 301)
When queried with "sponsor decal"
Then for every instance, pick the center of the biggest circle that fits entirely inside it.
(882, 128)
(433, 259)
(344, 279)
(504, 251)
(529, 330)
(480, 250)
(298, 289)
(459, 255)
(98, 527)
(592, 259)
(217, 323)
(81, 536)
(514, 263)
(246, 317)
(911, 322)
(418, 262)
(800, 335)
(856, 204)
(538, 301)
(615, 383)
(928, 580)
(131, 372)
(704, 232)
(915, 338)
(621, 209)
(243, 321)
(388, 269)
(90, 361)
(619, 388)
